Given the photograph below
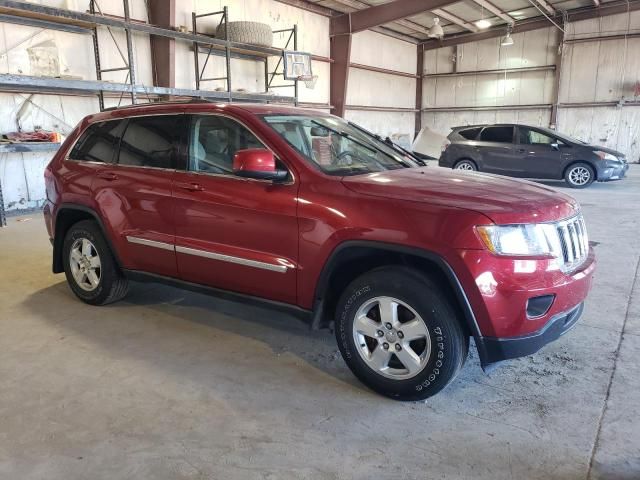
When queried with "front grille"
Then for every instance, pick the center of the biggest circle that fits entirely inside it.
(574, 242)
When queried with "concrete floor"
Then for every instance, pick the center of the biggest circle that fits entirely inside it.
(175, 385)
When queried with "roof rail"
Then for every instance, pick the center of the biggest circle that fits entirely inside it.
(168, 102)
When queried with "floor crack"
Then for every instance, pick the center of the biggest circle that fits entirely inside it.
(596, 441)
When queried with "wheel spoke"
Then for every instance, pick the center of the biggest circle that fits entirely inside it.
(86, 247)
(75, 255)
(388, 311)
(409, 359)
(365, 326)
(413, 329)
(93, 279)
(379, 358)
(95, 262)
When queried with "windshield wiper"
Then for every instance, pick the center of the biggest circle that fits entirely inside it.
(390, 143)
(346, 135)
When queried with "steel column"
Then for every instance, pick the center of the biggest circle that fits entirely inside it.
(419, 81)
(132, 65)
(96, 54)
(163, 49)
(339, 77)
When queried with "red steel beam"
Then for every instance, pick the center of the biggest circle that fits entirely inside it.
(163, 49)
(380, 14)
(339, 76)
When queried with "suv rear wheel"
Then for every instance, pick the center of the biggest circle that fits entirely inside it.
(89, 265)
(467, 165)
(579, 175)
(399, 335)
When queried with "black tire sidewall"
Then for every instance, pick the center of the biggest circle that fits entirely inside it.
(108, 272)
(447, 338)
(584, 165)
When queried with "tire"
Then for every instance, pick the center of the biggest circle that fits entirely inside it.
(579, 175)
(96, 282)
(252, 33)
(466, 165)
(441, 347)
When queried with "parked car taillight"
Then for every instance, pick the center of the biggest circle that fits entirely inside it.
(445, 145)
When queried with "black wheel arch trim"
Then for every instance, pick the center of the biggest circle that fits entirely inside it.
(332, 263)
(58, 240)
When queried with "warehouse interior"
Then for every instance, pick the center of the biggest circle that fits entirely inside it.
(174, 384)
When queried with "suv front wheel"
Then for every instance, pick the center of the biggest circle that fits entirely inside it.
(399, 335)
(89, 266)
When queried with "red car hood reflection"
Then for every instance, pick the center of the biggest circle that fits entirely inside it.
(502, 199)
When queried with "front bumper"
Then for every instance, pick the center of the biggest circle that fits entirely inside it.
(505, 327)
(612, 172)
(498, 349)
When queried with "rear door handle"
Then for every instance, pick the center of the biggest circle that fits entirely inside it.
(521, 150)
(191, 187)
(110, 176)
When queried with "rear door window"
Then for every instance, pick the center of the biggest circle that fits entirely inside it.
(152, 141)
(98, 143)
(497, 134)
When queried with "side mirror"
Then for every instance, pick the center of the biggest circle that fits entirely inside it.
(257, 163)
(555, 146)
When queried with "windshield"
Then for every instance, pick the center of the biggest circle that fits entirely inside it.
(336, 147)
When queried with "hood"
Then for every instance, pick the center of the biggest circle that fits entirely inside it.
(606, 150)
(504, 200)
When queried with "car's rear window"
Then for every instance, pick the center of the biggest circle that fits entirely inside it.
(469, 133)
(98, 142)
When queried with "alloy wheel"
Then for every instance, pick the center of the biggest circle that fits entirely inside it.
(465, 166)
(392, 338)
(85, 264)
(580, 176)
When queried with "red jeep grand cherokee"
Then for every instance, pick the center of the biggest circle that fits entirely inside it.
(303, 211)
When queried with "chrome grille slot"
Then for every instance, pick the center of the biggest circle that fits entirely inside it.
(574, 242)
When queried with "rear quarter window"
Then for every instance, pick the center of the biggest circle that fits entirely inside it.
(469, 133)
(98, 143)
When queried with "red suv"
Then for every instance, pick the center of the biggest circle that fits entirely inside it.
(304, 211)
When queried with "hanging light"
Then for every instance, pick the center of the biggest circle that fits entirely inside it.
(507, 40)
(436, 30)
(483, 23)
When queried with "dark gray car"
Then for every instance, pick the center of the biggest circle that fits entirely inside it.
(531, 152)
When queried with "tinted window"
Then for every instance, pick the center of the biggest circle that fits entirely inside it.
(213, 142)
(151, 141)
(98, 143)
(532, 137)
(497, 134)
(469, 133)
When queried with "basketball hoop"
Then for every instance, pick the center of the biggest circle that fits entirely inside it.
(309, 80)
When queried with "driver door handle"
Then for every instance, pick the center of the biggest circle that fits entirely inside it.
(191, 187)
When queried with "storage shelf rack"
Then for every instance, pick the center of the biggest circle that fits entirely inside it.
(42, 16)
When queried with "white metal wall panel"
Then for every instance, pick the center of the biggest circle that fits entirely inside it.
(375, 49)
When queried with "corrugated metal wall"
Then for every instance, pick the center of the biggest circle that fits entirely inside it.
(591, 72)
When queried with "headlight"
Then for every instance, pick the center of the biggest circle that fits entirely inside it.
(524, 240)
(606, 156)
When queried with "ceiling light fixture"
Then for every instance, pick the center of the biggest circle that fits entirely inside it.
(507, 40)
(436, 30)
(483, 24)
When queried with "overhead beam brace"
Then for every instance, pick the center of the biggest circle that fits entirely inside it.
(380, 14)
(606, 9)
(544, 4)
(495, 10)
(457, 20)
